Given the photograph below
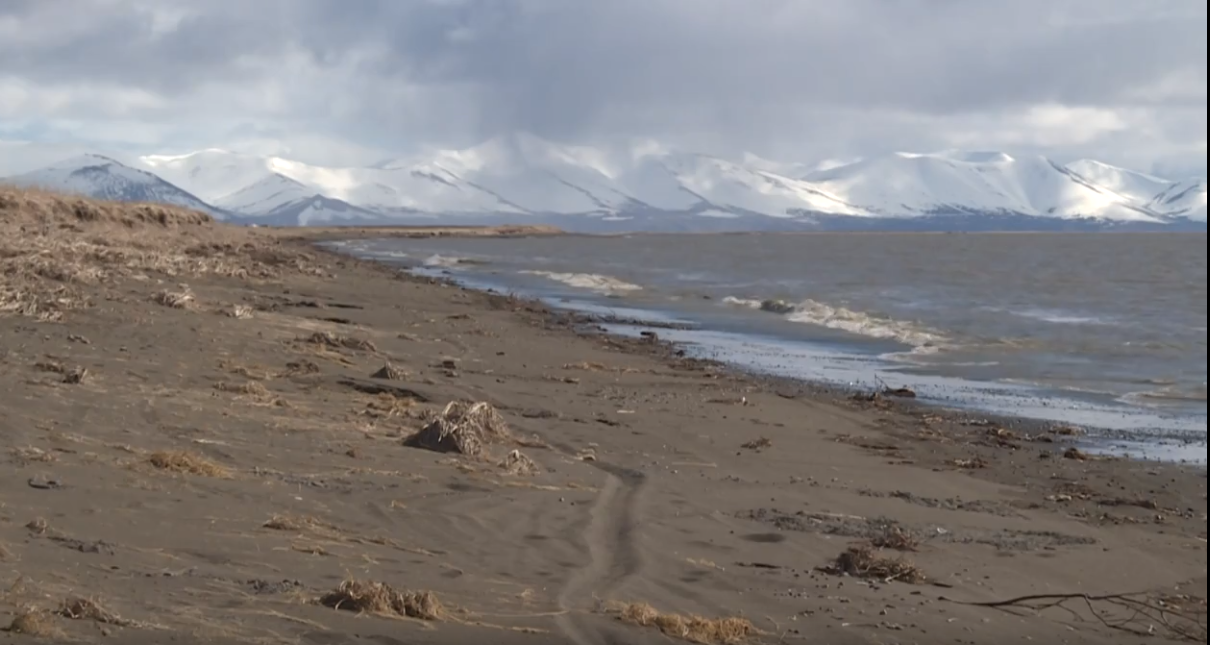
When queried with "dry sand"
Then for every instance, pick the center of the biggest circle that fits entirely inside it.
(210, 435)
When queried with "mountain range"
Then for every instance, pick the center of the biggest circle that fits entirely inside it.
(524, 179)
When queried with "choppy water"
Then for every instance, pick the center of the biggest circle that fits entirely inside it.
(1106, 330)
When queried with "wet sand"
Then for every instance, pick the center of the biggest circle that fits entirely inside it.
(195, 441)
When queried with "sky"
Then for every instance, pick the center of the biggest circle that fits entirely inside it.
(355, 81)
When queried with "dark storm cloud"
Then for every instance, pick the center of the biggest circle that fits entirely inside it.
(740, 69)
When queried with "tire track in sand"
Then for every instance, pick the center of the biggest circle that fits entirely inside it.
(613, 554)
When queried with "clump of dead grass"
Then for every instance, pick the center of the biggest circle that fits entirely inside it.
(390, 373)
(865, 561)
(337, 341)
(693, 629)
(25, 455)
(758, 444)
(387, 406)
(518, 463)
(238, 312)
(368, 597)
(462, 428)
(88, 609)
(175, 299)
(250, 388)
(35, 622)
(187, 463)
(892, 536)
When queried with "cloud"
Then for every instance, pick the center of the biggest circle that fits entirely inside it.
(804, 79)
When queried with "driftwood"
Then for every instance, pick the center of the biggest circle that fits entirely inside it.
(1178, 617)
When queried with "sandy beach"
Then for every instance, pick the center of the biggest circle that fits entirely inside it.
(225, 435)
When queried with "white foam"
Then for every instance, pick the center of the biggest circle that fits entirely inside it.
(811, 312)
(589, 281)
(1056, 317)
(742, 302)
(443, 261)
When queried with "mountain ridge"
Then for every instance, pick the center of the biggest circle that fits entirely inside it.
(524, 178)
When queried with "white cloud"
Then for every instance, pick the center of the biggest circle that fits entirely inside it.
(794, 79)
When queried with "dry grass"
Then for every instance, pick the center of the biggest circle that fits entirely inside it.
(864, 561)
(758, 444)
(518, 464)
(51, 245)
(462, 428)
(187, 463)
(251, 388)
(34, 622)
(175, 299)
(693, 629)
(29, 454)
(88, 609)
(390, 373)
(387, 406)
(238, 312)
(896, 538)
(381, 599)
(336, 341)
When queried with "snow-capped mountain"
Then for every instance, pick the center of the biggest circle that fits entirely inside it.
(521, 178)
(105, 178)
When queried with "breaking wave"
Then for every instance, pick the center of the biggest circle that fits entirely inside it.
(447, 261)
(811, 312)
(589, 281)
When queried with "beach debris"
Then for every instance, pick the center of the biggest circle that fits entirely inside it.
(187, 463)
(864, 561)
(35, 622)
(1068, 431)
(45, 482)
(517, 463)
(1075, 454)
(87, 609)
(900, 392)
(175, 299)
(389, 373)
(238, 312)
(337, 341)
(693, 629)
(758, 444)
(367, 597)
(462, 428)
(976, 463)
(75, 376)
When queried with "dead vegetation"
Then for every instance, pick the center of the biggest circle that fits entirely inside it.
(866, 561)
(238, 312)
(462, 428)
(1178, 617)
(390, 373)
(518, 464)
(174, 299)
(692, 629)
(187, 463)
(88, 609)
(35, 622)
(332, 340)
(758, 444)
(52, 245)
(378, 598)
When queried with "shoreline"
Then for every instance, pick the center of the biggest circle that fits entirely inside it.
(1099, 439)
(254, 429)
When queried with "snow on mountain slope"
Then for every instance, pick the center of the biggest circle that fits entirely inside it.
(105, 178)
(1136, 186)
(680, 181)
(268, 194)
(523, 177)
(1183, 200)
(907, 185)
